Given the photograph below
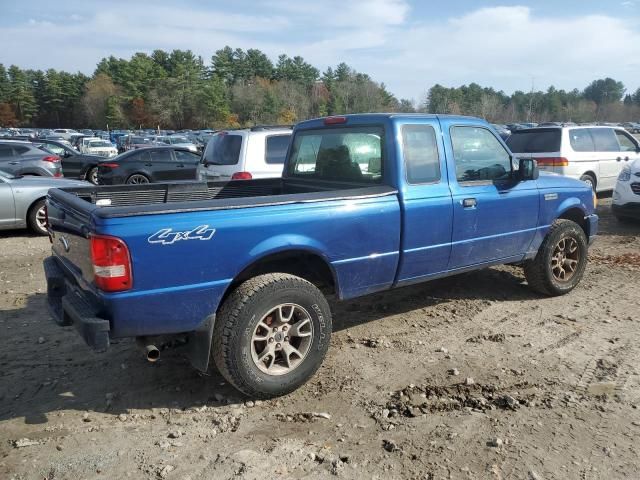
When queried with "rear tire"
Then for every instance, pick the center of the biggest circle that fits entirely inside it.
(561, 260)
(36, 218)
(271, 334)
(92, 175)
(589, 180)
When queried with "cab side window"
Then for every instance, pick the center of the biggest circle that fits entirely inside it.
(478, 155)
(420, 153)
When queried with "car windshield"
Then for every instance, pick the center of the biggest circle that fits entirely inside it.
(99, 144)
(175, 140)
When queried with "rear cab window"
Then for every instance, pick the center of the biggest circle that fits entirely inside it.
(420, 150)
(539, 140)
(349, 154)
(223, 149)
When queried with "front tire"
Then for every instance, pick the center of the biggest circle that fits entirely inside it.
(271, 335)
(561, 260)
(37, 219)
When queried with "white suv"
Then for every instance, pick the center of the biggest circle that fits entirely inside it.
(626, 196)
(256, 152)
(592, 154)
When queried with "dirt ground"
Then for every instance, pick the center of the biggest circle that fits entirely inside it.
(472, 377)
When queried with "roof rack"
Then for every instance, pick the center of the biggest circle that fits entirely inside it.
(259, 128)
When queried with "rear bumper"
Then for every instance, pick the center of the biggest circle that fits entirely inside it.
(68, 305)
(627, 210)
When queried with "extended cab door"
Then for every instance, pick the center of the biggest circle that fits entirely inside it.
(494, 216)
(425, 201)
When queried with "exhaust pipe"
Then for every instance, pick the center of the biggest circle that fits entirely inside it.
(150, 351)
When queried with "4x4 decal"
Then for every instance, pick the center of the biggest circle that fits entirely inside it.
(167, 236)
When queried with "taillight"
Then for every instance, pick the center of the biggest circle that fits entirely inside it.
(241, 176)
(58, 175)
(109, 165)
(335, 120)
(51, 158)
(552, 162)
(111, 264)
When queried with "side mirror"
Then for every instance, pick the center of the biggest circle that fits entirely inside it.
(528, 169)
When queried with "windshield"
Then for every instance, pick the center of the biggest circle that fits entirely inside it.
(350, 154)
(175, 140)
(139, 140)
(99, 144)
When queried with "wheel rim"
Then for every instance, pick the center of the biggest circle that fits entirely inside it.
(93, 176)
(138, 179)
(565, 259)
(282, 339)
(41, 219)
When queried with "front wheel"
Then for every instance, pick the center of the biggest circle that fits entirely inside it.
(271, 334)
(37, 218)
(561, 259)
(92, 175)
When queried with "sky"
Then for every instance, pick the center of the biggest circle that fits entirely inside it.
(408, 44)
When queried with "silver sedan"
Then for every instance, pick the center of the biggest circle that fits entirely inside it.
(22, 200)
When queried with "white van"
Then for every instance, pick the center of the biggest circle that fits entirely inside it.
(256, 152)
(593, 154)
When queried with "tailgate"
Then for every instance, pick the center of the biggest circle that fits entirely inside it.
(70, 227)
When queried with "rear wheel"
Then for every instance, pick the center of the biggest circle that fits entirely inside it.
(92, 175)
(271, 334)
(37, 218)
(561, 259)
(589, 180)
(137, 178)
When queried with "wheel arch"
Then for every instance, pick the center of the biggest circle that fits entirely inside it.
(305, 263)
(577, 215)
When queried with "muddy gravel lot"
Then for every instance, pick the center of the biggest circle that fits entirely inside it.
(472, 377)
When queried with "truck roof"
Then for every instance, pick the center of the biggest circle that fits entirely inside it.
(384, 117)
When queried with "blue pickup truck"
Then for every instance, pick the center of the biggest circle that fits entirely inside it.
(241, 270)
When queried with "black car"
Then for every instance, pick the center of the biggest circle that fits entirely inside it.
(74, 163)
(147, 165)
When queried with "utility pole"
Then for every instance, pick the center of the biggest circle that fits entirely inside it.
(530, 99)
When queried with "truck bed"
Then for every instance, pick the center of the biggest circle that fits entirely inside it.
(157, 198)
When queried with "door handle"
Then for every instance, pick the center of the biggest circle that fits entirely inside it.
(180, 166)
(469, 203)
(148, 165)
(14, 163)
(626, 159)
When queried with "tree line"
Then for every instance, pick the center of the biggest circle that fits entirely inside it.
(239, 87)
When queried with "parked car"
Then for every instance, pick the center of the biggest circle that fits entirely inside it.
(133, 142)
(176, 141)
(502, 130)
(631, 127)
(26, 158)
(257, 152)
(65, 133)
(366, 203)
(149, 165)
(594, 154)
(625, 203)
(22, 200)
(99, 147)
(74, 164)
